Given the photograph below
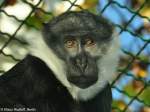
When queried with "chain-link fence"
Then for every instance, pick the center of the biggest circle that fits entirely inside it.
(131, 87)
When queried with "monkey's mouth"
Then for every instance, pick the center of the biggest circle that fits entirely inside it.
(82, 81)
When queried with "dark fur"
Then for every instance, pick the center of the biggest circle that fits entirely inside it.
(31, 84)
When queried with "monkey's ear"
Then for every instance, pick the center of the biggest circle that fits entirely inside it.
(45, 27)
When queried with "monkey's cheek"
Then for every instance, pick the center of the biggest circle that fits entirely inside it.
(82, 81)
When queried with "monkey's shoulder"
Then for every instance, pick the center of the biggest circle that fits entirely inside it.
(29, 80)
(30, 69)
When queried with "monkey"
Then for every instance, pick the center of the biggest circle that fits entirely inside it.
(69, 68)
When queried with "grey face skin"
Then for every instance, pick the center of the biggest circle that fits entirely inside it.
(82, 70)
(80, 40)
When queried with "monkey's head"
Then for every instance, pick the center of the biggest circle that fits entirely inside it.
(83, 43)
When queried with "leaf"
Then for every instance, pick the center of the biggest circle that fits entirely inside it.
(90, 5)
(38, 19)
(10, 2)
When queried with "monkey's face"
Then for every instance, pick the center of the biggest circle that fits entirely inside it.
(81, 64)
(81, 55)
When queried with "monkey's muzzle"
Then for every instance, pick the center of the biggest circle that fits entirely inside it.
(82, 81)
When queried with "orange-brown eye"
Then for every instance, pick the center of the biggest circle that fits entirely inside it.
(89, 42)
(70, 43)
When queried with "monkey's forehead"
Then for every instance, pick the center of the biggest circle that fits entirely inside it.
(83, 22)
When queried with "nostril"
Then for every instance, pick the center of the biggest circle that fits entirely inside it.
(78, 63)
(81, 63)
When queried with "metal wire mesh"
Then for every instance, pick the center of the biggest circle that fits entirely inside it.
(12, 38)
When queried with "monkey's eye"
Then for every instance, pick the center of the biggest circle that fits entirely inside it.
(89, 42)
(70, 43)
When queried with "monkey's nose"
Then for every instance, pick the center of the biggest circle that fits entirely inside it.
(81, 63)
